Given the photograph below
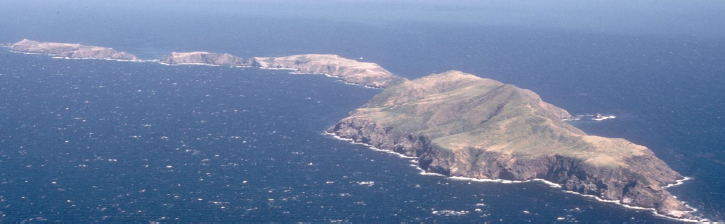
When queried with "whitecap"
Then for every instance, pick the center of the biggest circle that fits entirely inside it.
(677, 182)
(450, 213)
(369, 146)
(548, 183)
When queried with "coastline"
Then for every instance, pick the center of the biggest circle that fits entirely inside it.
(70, 58)
(677, 182)
(293, 71)
(414, 163)
(197, 64)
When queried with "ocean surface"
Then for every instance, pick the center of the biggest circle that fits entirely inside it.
(88, 140)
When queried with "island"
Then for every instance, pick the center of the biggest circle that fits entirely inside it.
(205, 58)
(347, 70)
(458, 124)
(74, 51)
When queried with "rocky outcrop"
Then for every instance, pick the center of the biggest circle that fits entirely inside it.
(457, 124)
(347, 70)
(76, 51)
(204, 58)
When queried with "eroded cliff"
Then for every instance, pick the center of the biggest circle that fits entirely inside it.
(458, 124)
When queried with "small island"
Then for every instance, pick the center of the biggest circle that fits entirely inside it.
(204, 58)
(66, 50)
(458, 124)
(347, 70)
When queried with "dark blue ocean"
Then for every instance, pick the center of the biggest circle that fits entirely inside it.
(87, 140)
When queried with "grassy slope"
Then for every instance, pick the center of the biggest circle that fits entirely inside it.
(465, 114)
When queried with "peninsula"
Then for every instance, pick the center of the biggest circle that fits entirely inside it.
(458, 124)
(76, 51)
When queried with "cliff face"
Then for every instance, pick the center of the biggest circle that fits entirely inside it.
(70, 50)
(351, 71)
(458, 124)
(205, 58)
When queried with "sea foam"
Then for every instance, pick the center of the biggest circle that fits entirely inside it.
(548, 183)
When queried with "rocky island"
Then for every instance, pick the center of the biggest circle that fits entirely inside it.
(204, 58)
(66, 50)
(347, 70)
(458, 124)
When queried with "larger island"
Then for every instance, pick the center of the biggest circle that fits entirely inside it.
(458, 124)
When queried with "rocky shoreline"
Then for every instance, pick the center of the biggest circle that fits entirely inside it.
(415, 162)
(640, 182)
